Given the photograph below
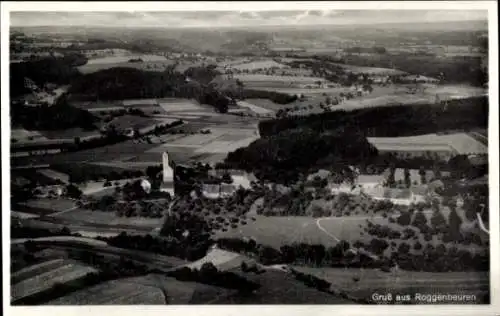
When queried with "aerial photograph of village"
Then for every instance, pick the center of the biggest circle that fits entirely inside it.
(249, 157)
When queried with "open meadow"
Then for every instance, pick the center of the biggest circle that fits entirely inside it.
(254, 80)
(278, 231)
(362, 283)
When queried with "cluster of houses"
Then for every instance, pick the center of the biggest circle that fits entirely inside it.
(375, 186)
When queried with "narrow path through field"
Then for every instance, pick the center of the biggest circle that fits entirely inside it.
(481, 224)
(318, 223)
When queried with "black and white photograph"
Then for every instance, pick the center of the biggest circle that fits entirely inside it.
(319, 156)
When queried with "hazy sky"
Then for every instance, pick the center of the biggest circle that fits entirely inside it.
(238, 18)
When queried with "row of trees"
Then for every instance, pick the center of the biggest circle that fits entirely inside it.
(209, 274)
(79, 173)
(169, 246)
(448, 259)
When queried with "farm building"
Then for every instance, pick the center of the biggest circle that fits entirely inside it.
(419, 78)
(215, 191)
(362, 182)
(396, 196)
(369, 181)
(239, 177)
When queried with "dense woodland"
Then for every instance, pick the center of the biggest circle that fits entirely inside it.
(59, 70)
(282, 157)
(59, 116)
(459, 69)
(397, 120)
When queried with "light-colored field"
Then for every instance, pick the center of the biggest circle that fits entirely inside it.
(461, 143)
(218, 258)
(109, 218)
(54, 175)
(22, 215)
(177, 105)
(220, 140)
(116, 292)
(245, 78)
(44, 281)
(305, 91)
(139, 102)
(20, 134)
(159, 65)
(456, 91)
(124, 59)
(370, 70)
(225, 146)
(260, 64)
(255, 108)
(195, 140)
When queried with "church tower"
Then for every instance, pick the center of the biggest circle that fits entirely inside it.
(167, 184)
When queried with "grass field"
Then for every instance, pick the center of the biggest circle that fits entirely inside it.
(203, 147)
(402, 282)
(278, 231)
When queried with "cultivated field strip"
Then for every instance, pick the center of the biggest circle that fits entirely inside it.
(34, 270)
(44, 281)
(262, 64)
(255, 108)
(117, 292)
(258, 78)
